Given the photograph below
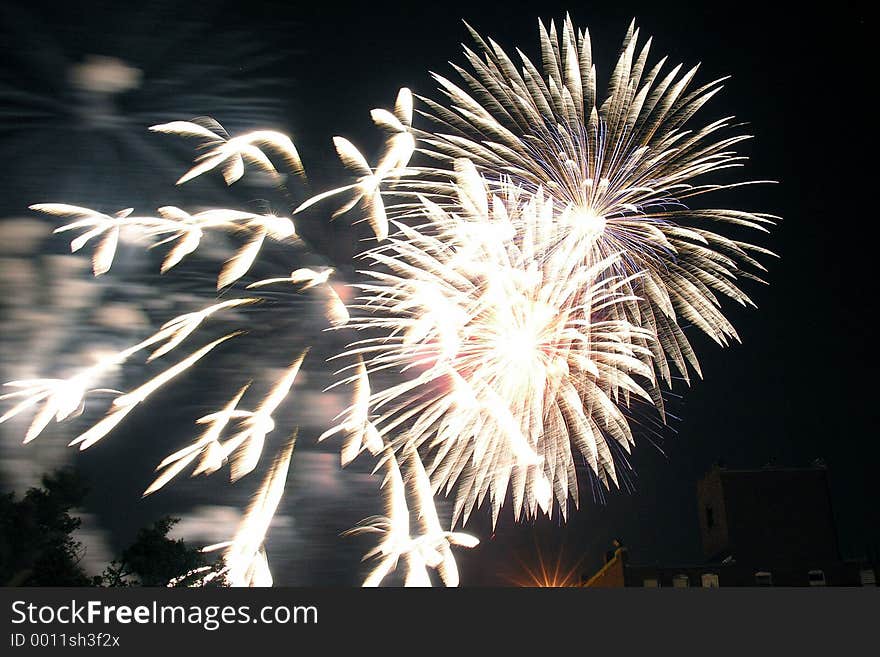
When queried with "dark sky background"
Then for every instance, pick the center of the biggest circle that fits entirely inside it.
(800, 387)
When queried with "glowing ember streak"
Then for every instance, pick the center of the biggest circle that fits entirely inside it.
(232, 153)
(244, 557)
(399, 148)
(430, 549)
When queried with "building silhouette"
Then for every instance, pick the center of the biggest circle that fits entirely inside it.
(765, 527)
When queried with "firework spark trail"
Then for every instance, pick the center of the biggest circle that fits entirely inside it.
(430, 548)
(244, 558)
(231, 153)
(526, 289)
(188, 228)
(65, 398)
(367, 191)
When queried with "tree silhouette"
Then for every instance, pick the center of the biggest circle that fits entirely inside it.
(154, 559)
(37, 547)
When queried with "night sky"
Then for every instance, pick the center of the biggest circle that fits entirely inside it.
(799, 388)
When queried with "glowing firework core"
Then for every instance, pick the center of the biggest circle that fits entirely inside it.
(589, 222)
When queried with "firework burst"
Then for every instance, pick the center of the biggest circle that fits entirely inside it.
(503, 327)
(625, 164)
(529, 285)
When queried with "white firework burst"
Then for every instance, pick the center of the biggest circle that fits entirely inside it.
(625, 163)
(529, 285)
(512, 352)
